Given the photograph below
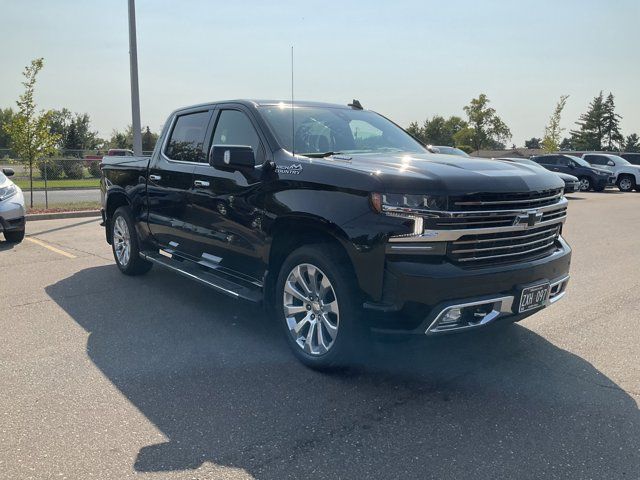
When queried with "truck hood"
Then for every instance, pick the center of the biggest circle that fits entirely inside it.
(446, 174)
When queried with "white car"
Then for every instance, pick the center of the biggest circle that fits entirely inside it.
(12, 211)
(627, 176)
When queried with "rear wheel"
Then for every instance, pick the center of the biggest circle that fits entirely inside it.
(585, 184)
(626, 183)
(317, 304)
(125, 244)
(14, 236)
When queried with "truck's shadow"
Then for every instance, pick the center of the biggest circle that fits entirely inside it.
(218, 381)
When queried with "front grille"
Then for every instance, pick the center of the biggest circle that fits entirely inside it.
(504, 247)
(487, 219)
(505, 201)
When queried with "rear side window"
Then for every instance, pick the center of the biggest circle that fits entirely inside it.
(187, 140)
(547, 160)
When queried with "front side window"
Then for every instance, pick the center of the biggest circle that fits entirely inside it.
(328, 129)
(235, 128)
(187, 140)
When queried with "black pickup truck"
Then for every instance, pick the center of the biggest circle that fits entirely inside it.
(339, 222)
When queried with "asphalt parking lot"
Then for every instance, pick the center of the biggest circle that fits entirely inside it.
(110, 377)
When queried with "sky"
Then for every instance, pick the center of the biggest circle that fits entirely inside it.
(408, 60)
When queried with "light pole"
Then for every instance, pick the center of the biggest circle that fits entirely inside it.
(135, 93)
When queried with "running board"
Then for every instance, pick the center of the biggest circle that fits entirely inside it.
(208, 278)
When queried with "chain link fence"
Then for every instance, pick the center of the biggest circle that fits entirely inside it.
(69, 169)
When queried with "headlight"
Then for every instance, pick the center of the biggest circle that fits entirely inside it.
(7, 192)
(407, 202)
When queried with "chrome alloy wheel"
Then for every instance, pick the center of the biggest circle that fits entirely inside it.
(625, 184)
(311, 309)
(121, 241)
(584, 184)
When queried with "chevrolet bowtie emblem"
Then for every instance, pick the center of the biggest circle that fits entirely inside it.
(531, 218)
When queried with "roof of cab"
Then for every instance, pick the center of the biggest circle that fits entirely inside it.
(262, 103)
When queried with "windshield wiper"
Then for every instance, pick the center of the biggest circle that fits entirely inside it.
(320, 154)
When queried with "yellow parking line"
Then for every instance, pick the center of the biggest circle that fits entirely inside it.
(49, 247)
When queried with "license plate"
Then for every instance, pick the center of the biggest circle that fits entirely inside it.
(533, 297)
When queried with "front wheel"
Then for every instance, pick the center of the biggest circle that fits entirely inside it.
(585, 184)
(626, 183)
(14, 236)
(125, 244)
(317, 304)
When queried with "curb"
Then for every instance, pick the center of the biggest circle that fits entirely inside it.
(59, 215)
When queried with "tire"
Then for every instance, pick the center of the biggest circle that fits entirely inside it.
(333, 308)
(626, 183)
(14, 236)
(125, 244)
(585, 184)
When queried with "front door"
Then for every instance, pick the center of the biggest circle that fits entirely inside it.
(171, 178)
(226, 204)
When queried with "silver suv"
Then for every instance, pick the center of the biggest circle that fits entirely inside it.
(12, 211)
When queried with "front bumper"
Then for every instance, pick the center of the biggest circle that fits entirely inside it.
(12, 213)
(416, 294)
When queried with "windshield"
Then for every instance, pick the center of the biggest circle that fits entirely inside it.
(324, 129)
(579, 161)
(2, 178)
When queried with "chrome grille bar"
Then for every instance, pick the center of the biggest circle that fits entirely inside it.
(546, 238)
(501, 239)
(507, 202)
(504, 255)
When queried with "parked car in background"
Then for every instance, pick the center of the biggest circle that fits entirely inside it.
(445, 150)
(12, 210)
(571, 183)
(627, 176)
(120, 152)
(591, 178)
(632, 158)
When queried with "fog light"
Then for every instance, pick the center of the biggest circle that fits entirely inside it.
(452, 316)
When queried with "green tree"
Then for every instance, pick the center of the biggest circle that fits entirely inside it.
(29, 131)
(566, 144)
(75, 131)
(632, 143)
(590, 134)
(437, 130)
(533, 143)
(553, 130)
(6, 114)
(415, 131)
(613, 138)
(488, 128)
(149, 139)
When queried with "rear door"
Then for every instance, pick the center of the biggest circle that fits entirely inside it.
(227, 204)
(600, 161)
(171, 177)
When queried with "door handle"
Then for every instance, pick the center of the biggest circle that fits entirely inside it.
(155, 177)
(201, 183)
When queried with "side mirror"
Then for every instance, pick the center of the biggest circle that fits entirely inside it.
(232, 157)
(8, 172)
(572, 165)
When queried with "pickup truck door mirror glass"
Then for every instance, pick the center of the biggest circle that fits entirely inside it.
(8, 172)
(232, 157)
